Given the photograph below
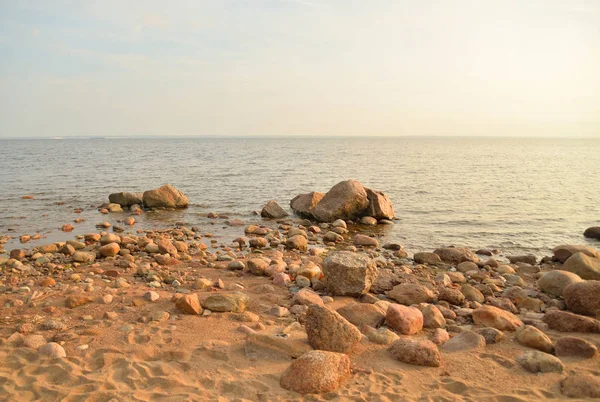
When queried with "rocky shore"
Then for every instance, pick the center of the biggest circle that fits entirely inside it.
(306, 306)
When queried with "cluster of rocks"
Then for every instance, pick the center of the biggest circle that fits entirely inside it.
(166, 196)
(347, 200)
(450, 300)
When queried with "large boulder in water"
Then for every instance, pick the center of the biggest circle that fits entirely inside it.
(349, 274)
(126, 199)
(380, 205)
(273, 210)
(346, 200)
(303, 204)
(593, 232)
(564, 251)
(583, 265)
(165, 197)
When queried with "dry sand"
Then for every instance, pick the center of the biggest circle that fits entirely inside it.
(194, 358)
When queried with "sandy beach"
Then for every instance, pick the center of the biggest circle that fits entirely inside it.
(160, 315)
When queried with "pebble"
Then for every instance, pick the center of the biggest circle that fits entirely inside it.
(151, 296)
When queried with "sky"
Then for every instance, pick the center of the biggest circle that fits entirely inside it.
(300, 67)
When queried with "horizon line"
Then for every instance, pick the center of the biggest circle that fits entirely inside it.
(279, 136)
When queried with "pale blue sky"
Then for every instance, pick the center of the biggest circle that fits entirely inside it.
(300, 67)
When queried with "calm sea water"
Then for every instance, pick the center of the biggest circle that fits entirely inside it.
(518, 195)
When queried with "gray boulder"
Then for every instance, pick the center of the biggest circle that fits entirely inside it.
(126, 199)
(593, 232)
(349, 274)
(303, 204)
(273, 210)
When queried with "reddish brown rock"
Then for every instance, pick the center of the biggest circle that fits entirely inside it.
(568, 322)
(77, 300)
(361, 314)
(109, 250)
(316, 372)
(583, 297)
(574, 347)
(17, 254)
(406, 320)
(581, 386)
(166, 247)
(489, 316)
(327, 330)
(411, 293)
(189, 304)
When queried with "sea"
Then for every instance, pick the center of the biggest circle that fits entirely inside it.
(517, 195)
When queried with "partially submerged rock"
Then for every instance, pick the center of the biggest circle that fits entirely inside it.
(125, 199)
(380, 205)
(593, 232)
(273, 210)
(346, 200)
(166, 196)
(304, 204)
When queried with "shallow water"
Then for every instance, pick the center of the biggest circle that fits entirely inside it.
(518, 195)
